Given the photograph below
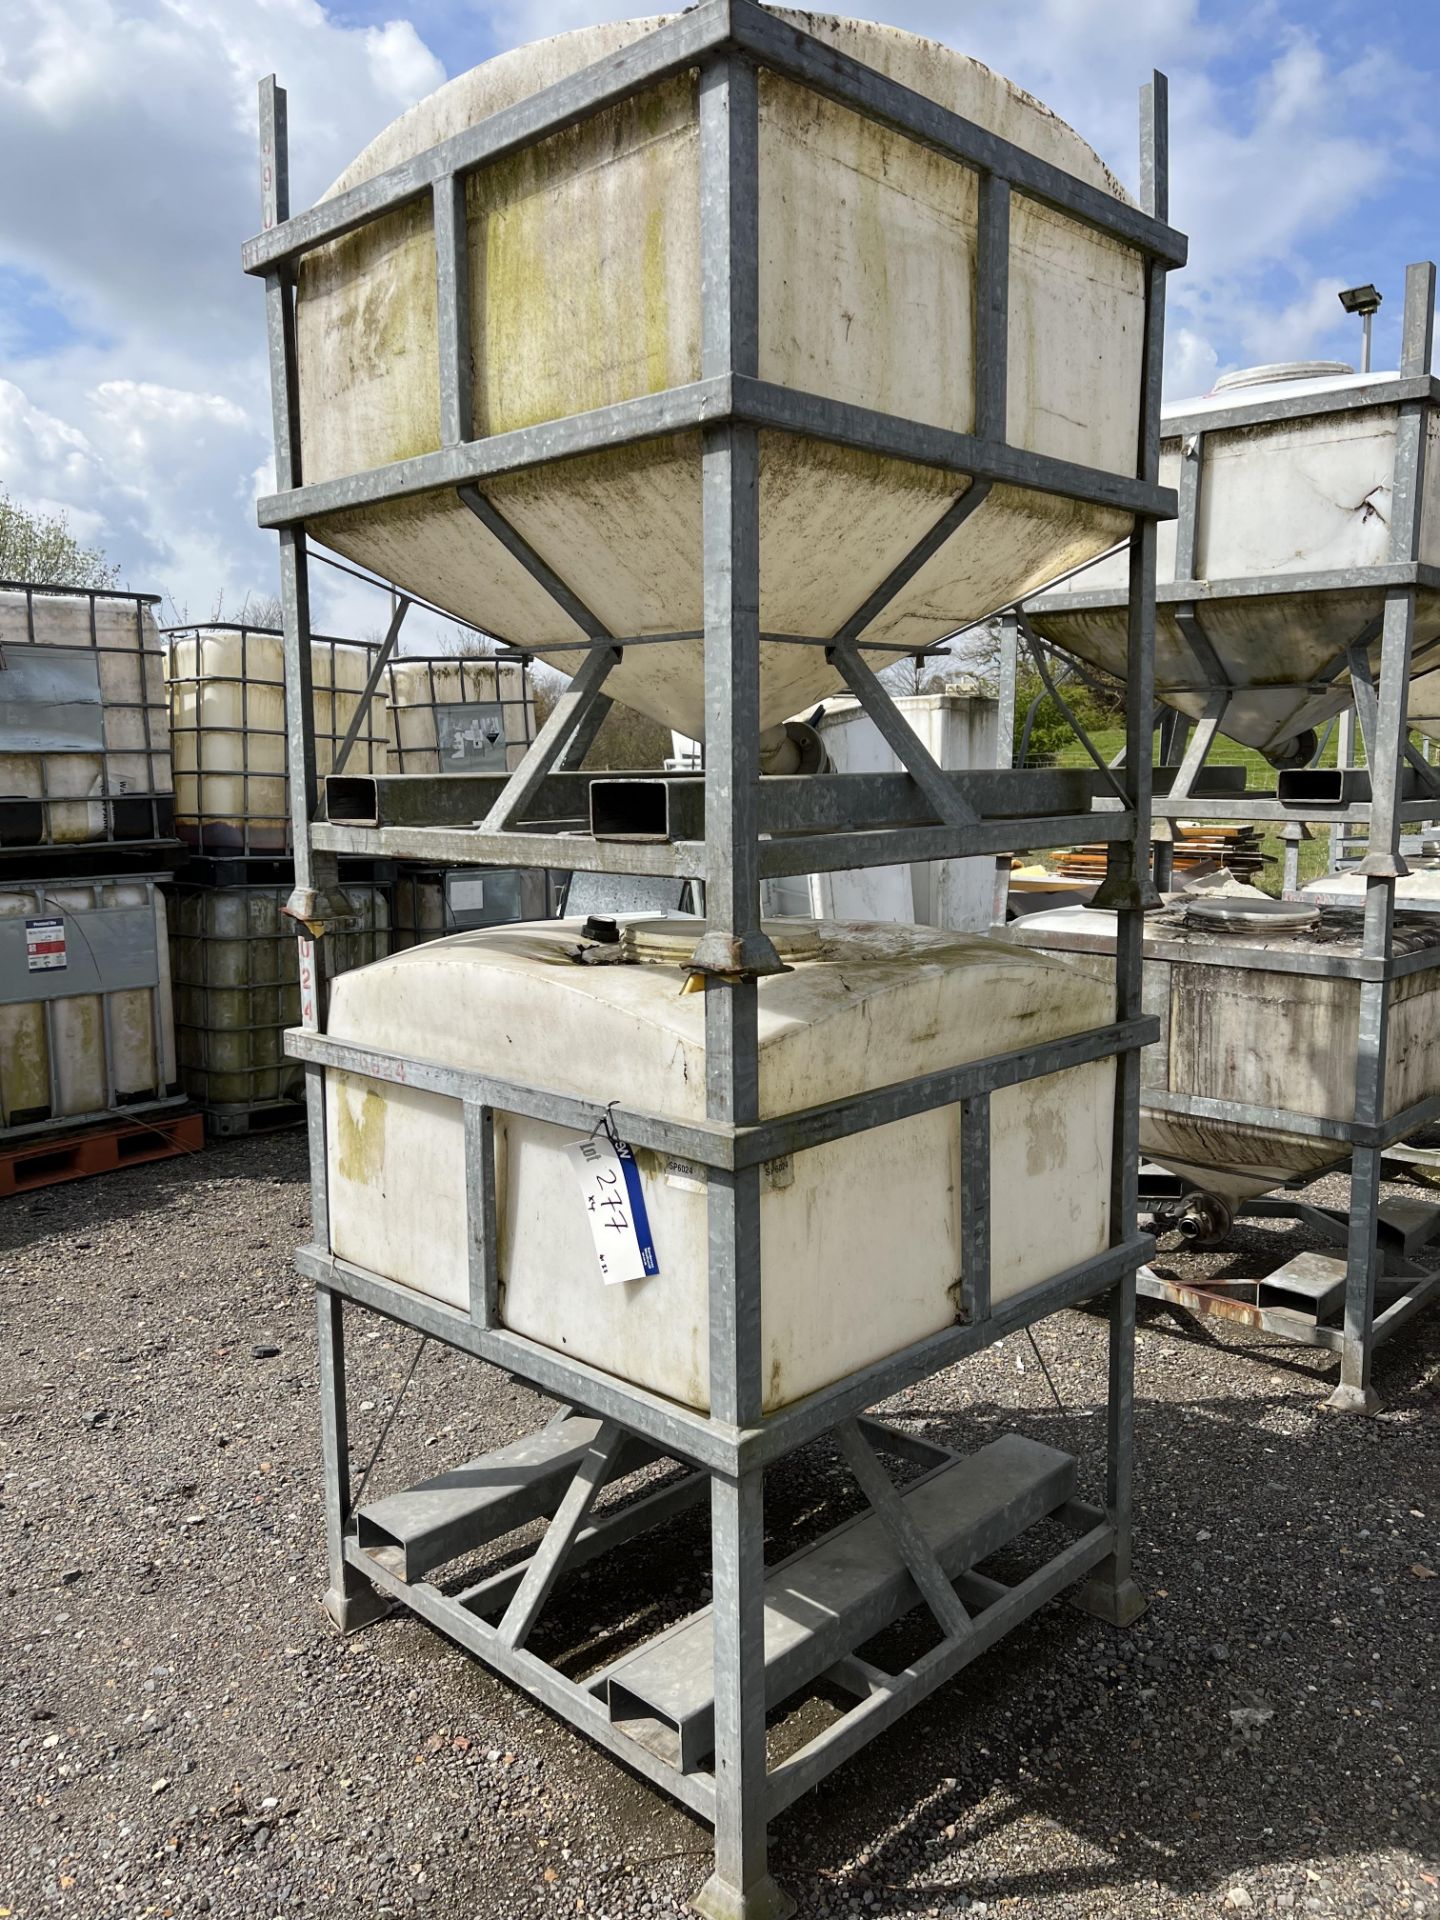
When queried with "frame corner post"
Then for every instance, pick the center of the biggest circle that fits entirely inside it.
(1008, 678)
(1111, 1592)
(350, 1600)
(1383, 863)
(307, 905)
(740, 1887)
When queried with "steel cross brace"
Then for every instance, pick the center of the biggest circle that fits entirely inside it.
(1367, 700)
(382, 660)
(1187, 620)
(567, 717)
(914, 1549)
(843, 653)
(569, 724)
(1037, 654)
(1200, 744)
(570, 1516)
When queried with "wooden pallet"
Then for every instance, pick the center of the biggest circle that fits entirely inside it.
(1237, 849)
(45, 1161)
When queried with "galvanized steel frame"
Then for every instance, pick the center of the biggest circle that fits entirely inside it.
(728, 40)
(1382, 714)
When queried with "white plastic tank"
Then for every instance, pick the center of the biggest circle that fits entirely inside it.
(227, 716)
(1424, 709)
(235, 962)
(586, 282)
(1289, 496)
(458, 715)
(1252, 1036)
(84, 730)
(86, 1025)
(957, 730)
(1417, 891)
(860, 1238)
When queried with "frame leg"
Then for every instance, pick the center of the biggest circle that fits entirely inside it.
(350, 1600)
(1111, 1593)
(740, 1888)
(1355, 1393)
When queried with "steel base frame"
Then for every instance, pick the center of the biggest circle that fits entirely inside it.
(973, 1610)
(726, 42)
(1413, 1289)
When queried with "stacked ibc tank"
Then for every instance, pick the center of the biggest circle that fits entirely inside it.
(233, 951)
(87, 1040)
(462, 715)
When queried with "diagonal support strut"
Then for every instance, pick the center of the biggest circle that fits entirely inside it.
(570, 1516)
(914, 1549)
(843, 651)
(569, 724)
(382, 660)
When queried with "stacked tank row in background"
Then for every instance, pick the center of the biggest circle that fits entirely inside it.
(227, 719)
(233, 950)
(86, 836)
(84, 727)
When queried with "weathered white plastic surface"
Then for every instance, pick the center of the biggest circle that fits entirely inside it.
(586, 291)
(1287, 497)
(1418, 891)
(1254, 1038)
(419, 688)
(227, 714)
(958, 731)
(1424, 714)
(56, 1069)
(135, 749)
(237, 986)
(860, 1239)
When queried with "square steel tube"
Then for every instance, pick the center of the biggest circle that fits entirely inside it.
(442, 799)
(427, 1525)
(829, 1598)
(831, 802)
(1209, 781)
(711, 402)
(468, 847)
(716, 1143)
(1334, 786)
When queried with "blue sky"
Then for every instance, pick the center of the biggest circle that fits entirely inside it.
(132, 382)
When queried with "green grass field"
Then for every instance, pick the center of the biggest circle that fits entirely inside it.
(1314, 854)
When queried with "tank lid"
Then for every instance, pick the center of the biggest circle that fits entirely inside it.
(1229, 914)
(670, 942)
(1280, 370)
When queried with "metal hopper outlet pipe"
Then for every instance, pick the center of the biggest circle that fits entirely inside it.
(1204, 1217)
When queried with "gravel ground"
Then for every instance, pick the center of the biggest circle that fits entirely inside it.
(184, 1734)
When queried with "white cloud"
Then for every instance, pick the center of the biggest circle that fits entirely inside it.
(133, 128)
(54, 457)
(1191, 362)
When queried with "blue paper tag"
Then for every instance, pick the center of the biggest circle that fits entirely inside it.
(615, 1207)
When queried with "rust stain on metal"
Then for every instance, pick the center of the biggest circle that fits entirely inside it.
(1202, 1300)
